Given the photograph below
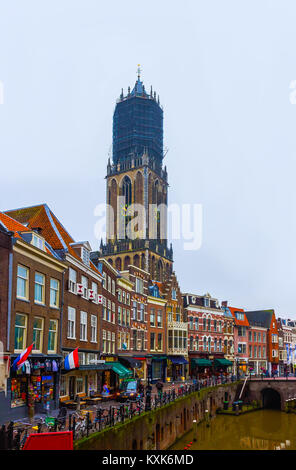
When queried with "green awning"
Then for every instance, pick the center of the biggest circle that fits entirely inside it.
(120, 370)
(199, 362)
(222, 362)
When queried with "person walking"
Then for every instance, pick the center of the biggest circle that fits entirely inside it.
(159, 386)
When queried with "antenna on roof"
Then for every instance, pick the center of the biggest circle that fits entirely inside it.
(139, 72)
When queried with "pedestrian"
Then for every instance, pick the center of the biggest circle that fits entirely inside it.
(159, 386)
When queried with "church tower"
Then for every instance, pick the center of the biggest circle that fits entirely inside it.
(136, 179)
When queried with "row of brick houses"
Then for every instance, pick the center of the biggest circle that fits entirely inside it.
(58, 294)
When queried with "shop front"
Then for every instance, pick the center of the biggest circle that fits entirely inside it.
(35, 385)
(130, 363)
(222, 366)
(200, 367)
(158, 368)
(142, 371)
(176, 368)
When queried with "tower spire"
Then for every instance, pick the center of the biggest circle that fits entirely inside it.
(139, 72)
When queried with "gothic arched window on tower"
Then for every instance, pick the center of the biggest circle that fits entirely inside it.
(126, 191)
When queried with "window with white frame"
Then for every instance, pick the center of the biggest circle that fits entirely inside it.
(39, 296)
(52, 336)
(104, 341)
(134, 310)
(20, 332)
(139, 285)
(174, 294)
(93, 328)
(84, 282)
(83, 326)
(38, 242)
(38, 334)
(72, 280)
(141, 312)
(113, 343)
(104, 280)
(22, 287)
(113, 287)
(85, 255)
(94, 287)
(109, 284)
(71, 323)
(54, 293)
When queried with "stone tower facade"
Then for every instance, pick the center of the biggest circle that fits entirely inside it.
(137, 187)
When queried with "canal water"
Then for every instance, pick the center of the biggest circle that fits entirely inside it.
(258, 430)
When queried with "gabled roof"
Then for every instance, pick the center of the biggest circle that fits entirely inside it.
(51, 229)
(260, 318)
(12, 225)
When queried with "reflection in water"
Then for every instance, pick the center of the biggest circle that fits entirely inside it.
(259, 430)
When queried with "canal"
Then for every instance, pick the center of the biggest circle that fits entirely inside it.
(259, 430)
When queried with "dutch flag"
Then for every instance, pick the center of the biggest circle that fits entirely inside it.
(18, 362)
(71, 361)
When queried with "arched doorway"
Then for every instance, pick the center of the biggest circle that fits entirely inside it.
(271, 398)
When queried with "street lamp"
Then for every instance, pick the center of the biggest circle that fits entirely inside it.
(149, 388)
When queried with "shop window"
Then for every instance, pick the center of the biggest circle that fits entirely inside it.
(79, 384)
(39, 288)
(19, 390)
(54, 293)
(63, 386)
(22, 289)
(20, 332)
(52, 336)
(38, 334)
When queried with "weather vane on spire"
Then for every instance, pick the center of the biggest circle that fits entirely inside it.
(139, 72)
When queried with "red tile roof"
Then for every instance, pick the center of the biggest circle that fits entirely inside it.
(244, 322)
(13, 225)
(51, 228)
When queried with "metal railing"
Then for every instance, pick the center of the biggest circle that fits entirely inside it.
(13, 435)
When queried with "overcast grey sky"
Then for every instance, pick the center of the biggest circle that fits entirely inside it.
(222, 70)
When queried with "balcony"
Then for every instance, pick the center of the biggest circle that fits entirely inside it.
(177, 325)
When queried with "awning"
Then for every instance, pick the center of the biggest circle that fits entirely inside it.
(159, 358)
(178, 359)
(222, 362)
(199, 362)
(130, 361)
(120, 370)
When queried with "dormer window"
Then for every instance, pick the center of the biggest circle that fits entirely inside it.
(85, 255)
(206, 301)
(38, 241)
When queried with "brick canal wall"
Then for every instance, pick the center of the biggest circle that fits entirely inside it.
(160, 428)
